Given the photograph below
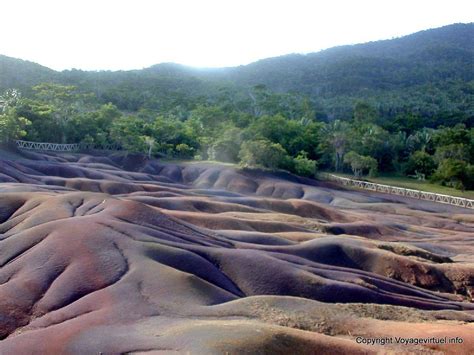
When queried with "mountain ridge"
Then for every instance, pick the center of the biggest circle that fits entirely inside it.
(468, 28)
(387, 73)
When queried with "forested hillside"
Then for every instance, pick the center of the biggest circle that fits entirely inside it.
(403, 105)
(429, 73)
(425, 57)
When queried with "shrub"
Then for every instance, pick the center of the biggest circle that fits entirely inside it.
(184, 151)
(455, 173)
(304, 166)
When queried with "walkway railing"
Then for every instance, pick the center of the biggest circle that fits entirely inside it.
(400, 191)
(56, 147)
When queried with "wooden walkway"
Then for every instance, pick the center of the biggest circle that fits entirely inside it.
(56, 147)
(366, 185)
(400, 191)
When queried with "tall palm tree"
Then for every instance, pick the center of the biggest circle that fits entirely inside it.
(337, 135)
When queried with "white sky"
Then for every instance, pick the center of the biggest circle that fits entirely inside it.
(132, 34)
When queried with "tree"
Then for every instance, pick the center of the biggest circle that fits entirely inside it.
(10, 98)
(360, 164)
(226, 148)
(420, 164)
(207, 123)
(184, 151)
(170, 132)
(457, 151)
(264, 154)
(336, 134)
(64, 103)
(130, 133)
(452, 135)
(421, 140)
(150, 143)
(276, 128)
(12, 126)
(364, 113)
(407, 122)
(372, 140)
(93, 126)
(398, 144)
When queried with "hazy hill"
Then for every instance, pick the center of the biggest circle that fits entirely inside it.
(23, 74)
(429, 72)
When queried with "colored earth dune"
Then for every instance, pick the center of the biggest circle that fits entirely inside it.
(123, 255)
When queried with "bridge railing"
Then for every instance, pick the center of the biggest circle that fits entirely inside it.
(57, 147)
(400, 191)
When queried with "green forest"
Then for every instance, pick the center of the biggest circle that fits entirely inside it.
(403, 106)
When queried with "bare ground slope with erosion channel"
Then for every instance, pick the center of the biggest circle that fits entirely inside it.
(116, 255)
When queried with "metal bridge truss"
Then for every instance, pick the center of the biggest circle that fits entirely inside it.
(400, 191)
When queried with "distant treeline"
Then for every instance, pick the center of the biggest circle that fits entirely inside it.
(271, 130)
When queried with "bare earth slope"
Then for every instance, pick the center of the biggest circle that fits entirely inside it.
(119, 255)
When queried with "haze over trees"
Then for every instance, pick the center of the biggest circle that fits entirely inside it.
(401, 106)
